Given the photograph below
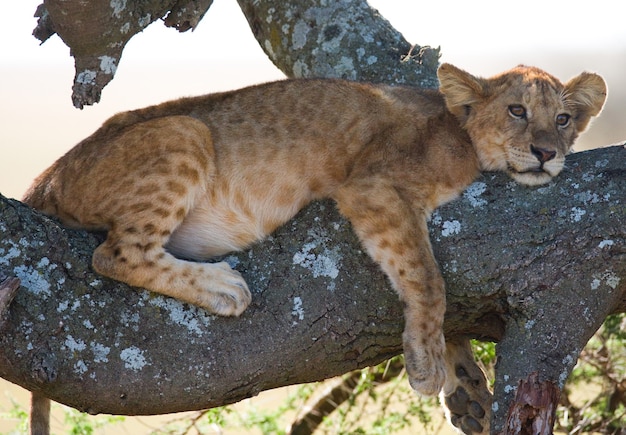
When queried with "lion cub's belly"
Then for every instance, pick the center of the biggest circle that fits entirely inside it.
(222, 223)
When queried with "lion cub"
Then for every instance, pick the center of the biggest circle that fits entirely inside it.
(199, 177)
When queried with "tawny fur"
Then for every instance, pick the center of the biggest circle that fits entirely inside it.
(199, 177)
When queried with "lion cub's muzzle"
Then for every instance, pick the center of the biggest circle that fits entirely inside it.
(536, 167)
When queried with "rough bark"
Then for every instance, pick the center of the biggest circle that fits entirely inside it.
(538, 269)
(517, 261)
(343, 39)
(533, 411)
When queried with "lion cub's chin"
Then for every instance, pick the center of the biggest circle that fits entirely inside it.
(531, 178)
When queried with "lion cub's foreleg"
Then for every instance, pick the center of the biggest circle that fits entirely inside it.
(396, 237)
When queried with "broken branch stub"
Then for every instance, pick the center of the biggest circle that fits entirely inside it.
(97, 32)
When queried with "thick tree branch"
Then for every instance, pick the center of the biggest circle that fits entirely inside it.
(517, 261)
(539, 269)
(344, 39)
(97, 32)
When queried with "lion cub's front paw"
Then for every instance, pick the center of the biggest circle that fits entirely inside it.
(425, 365)
(225, 292)
(465, 396)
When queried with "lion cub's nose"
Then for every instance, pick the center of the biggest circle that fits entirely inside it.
(542, 154)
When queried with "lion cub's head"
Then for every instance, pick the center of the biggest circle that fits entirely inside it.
(523, 121)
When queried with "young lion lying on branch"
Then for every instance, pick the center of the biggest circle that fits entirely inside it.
(199, 177)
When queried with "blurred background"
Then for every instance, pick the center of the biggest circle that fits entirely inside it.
(38, 122)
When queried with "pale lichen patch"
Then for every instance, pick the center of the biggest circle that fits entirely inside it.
(577, 214)
(133, 358)
(108, 64)
(118, 6)
(322, 264)
(33, 280)
(300, 69)
(74, 345)
(80, 367)
(587, 197)
(568, 361)
(86, 77)
(144, 21)
(473, 193)
(608, 277)
(297, 310)
(100, 352)
(602, 163)
(299, 35)
(187, 317)
(63, 305)
(450, 228)
(7, 255)
(605, 243)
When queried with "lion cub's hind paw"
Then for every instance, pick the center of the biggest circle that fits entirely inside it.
(228, 293)
(465, 397)
(465, 414)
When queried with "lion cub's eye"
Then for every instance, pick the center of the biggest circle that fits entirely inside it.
(562, 119)
(517, 111)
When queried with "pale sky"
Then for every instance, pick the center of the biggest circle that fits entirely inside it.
(39, 122)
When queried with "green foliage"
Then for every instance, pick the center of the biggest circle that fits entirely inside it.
(601, 375)
(18, 414)
(75, 422)
(79, 423)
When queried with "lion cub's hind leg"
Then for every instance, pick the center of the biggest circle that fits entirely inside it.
(465, 397)
(173, 163)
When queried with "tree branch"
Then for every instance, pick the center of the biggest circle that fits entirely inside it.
(346, 39)
(539, 269)
(97, 32)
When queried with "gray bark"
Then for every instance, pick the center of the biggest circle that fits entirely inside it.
(342, 39)
(538, 269)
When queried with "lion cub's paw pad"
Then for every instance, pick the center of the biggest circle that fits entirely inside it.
(466, 414)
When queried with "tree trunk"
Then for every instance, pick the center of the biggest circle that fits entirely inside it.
(538, 269)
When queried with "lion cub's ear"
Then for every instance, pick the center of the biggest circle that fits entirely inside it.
(585, 94)
(460, 89)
